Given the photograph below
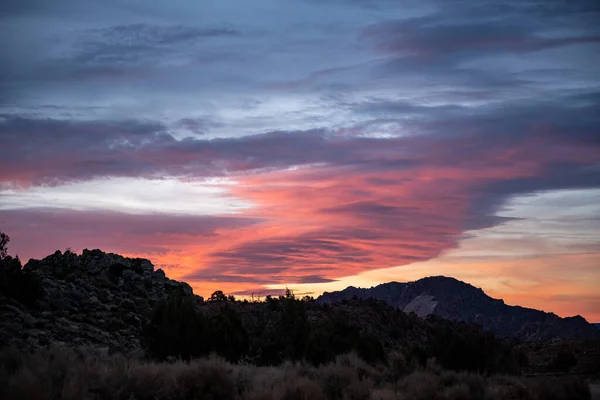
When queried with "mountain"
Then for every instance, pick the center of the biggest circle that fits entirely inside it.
(459, 301)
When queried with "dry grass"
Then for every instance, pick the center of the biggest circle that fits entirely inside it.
(62, 373)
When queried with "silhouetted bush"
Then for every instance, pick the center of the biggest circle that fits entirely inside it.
(227, 336)
(63, 373)
(279, 330)
(337, 336)
(464, 347)
(562, 362)
(4, 239)
(284, 331)
(15, 283)
(218, 296)
(177, 329)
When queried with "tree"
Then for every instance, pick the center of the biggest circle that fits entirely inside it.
(227, 337)
(4, 239)
(177, 329)
(14, 282)
(289, 294)
(218, 296)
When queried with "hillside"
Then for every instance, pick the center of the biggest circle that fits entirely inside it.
(99, 325)
(119, 304)
(458, 301)
(96, 298)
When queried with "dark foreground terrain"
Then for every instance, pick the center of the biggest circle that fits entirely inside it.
(595, 391)
(102, 326)
(74, 374)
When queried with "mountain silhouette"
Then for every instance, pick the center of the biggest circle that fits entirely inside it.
(459, 301)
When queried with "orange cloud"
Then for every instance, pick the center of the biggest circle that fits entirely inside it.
(321, 223)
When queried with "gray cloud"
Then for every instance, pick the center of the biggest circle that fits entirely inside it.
(431, 41)
(59, 150)
(139, 44)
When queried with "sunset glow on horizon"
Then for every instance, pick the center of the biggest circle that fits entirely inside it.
(313, 145)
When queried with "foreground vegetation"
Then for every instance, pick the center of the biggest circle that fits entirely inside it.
(65, 373)
(290, 329)
(134, 334)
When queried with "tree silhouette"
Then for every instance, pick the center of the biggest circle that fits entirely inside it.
(218, 296)
(4, 239)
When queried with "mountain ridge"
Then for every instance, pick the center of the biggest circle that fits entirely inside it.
(456, 300)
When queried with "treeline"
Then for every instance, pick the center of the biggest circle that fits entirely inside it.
(285, 328)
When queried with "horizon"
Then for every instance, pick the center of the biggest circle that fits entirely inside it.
(311, 145)
(260, 297)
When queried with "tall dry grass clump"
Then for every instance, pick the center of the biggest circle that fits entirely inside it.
(58, 372)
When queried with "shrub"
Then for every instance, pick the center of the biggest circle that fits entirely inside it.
(17, 284)
(217, 296)
(62, 373)
(176, 329)
(465, 347)
(337, 336)
(227, 336)
(4, 239)
(562, 362)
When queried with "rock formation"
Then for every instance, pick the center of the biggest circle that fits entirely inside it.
(95, 298)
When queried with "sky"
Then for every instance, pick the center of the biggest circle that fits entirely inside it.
(310, 144)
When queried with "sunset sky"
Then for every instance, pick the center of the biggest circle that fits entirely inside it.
(315, 144)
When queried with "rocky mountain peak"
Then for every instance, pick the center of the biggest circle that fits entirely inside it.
(453, 299)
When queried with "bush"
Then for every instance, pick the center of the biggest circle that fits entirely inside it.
(63, 373)
(562, 362)
(16, 284)
(177, 329)
(337, 336)
(4, 239)
(464, 347)
(227, 336)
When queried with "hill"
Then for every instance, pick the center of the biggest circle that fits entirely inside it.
(459, 301)
(116, 304)
(124, 305)
(96, 298)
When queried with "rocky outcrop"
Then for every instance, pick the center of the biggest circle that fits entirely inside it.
(455, 300)
(96, 298)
